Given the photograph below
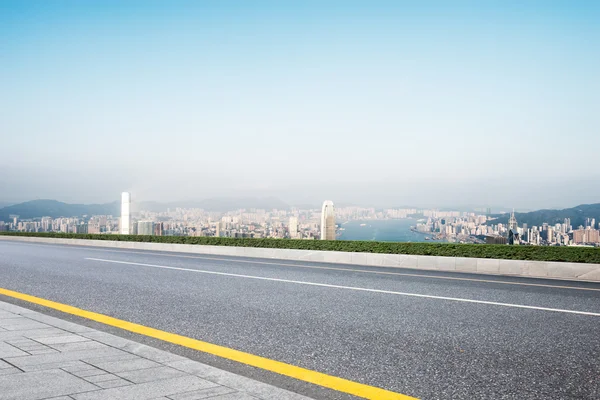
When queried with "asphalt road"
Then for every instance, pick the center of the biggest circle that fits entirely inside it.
(359, 323)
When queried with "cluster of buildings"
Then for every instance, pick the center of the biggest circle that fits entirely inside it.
(560, 234)
(311, 224)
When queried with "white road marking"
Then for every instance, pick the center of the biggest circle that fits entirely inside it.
(350, 287)
(233, 259)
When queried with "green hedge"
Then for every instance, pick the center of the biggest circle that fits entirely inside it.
(537, 253)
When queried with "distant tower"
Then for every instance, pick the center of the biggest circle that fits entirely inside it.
(125, 217)
(293, 227)
(512, 222)
(327, 221)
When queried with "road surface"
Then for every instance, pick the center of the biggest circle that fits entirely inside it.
(425, 334)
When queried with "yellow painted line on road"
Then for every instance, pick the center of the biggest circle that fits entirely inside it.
(306, 375)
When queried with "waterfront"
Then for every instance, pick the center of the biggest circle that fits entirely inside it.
(390, 230)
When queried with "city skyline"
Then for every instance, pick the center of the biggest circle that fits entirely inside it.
(404, 103)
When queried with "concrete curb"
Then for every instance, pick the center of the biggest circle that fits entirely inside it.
(531, 269)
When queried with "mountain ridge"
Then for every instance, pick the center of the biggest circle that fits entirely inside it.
(56, 209)
(577, 214)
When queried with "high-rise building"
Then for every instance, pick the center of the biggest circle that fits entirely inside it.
(512, 222)
(125, 217)
(145, 228)
(328, 221)
(293, 228)
(158, 229)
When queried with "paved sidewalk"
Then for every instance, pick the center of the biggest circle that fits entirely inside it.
(43, 357)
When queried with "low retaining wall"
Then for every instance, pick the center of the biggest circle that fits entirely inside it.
(533, 269)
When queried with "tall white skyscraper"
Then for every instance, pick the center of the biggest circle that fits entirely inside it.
(293, 227)
(327, 221)
(125, 217)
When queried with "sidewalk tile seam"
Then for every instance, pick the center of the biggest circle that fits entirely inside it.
(11, 364)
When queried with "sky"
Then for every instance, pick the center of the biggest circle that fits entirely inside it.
(381, 103)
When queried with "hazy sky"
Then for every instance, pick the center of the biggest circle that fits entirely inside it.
(372, 102)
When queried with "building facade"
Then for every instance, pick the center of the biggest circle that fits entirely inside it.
(125, 214)
(328, 221)
(293, 228)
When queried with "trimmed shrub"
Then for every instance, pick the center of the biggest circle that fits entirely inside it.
(534, 253)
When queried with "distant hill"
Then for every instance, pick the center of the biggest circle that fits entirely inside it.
(577, 215)
(55, 209)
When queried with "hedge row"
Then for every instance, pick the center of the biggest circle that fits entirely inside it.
(537, 253)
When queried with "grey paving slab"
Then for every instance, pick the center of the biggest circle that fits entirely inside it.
(89, 372)
(59, 323)
(61, 357)
(7, 350)
(234, 396)
(10, 371)
(203, 393)
(151, 374)
(240, 383)
(113, 383)
(101, 378)
(41, 385)
(152, 353)
(148, 390)
(15, 324)
(77, 346)
(31, 333)
(126, 365)
(62, 339)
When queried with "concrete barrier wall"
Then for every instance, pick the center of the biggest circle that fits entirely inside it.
(534, 269)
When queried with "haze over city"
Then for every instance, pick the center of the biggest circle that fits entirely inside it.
(374, 103)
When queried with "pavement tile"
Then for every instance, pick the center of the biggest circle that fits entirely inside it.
(9, 371)
(61, 339)
(80, 366)
(42, 351)
(15, 309)
(44, 367)
(241, 383)
(61, 357)
(101, 378)
(234, 396)
(106, 338)
(113, 383)
(30, 333)
(59, 323)
(7, 314)
(146, 391)
(41, 385)
(150, 374)
(7, 350)
(89, 372)
(76, 346)
(21, 324)
(118, 356)
(202, 393)
(126, 365)
(151, 353)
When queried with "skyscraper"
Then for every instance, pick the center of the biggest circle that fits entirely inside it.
(293, 228)
(145, 228)
(512, 222)
(327, 221)
(125, 217)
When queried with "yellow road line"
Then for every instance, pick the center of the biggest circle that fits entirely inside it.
(306, 375)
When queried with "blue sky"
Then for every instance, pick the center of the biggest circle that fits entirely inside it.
(424, 103)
